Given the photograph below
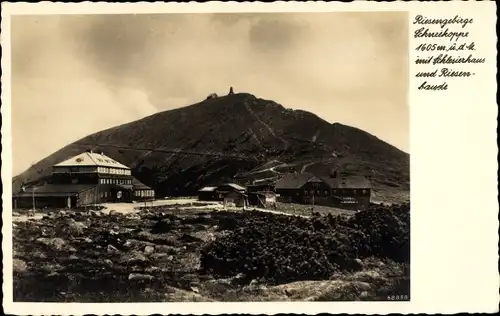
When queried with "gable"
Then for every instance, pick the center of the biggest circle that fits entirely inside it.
(87, 159)
(295, 180)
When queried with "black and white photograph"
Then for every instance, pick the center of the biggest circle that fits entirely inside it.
(210, 157)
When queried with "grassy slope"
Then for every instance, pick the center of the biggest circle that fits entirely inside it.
(244, 125)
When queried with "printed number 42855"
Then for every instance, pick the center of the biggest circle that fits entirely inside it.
(397, 297)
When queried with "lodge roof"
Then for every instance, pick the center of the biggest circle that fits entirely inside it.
(138, 185)
(235, 186)
(91, 159)
(55, 190)
(298, 180)
(235, 193)
(295, 180)
(351, 182)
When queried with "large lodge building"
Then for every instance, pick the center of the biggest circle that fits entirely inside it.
(86, 179)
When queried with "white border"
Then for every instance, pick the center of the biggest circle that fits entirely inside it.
(453, 169)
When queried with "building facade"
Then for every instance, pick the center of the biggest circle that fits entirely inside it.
(351, 193)
(217, 193)
(86, 179)
(235, 199)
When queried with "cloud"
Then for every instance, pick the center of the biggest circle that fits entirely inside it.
(111, 69)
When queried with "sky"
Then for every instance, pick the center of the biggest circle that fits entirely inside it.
(73, 75)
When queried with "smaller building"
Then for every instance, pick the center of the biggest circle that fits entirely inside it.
(230, 187)
(260, 187)
(303, 188)
(353, 192)
(208, 194)
(142, 192)
(235, 199)
(217, 193)
(57, 196)
(262, 199)
(348, 192)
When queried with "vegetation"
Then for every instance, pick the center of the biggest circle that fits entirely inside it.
(167, 254)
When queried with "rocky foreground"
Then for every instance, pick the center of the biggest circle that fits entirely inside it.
(167, 254)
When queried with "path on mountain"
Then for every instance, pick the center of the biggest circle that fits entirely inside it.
(271, 131)
(304, 167)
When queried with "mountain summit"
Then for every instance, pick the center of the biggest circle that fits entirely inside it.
(237, 136)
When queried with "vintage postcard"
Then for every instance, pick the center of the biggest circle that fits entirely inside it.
(249, 157)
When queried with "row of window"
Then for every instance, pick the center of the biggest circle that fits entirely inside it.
(335, 191)
(92, 169)
(144, 193)
(105, 194)
(113, 171)
(74, 169)
(115, 181)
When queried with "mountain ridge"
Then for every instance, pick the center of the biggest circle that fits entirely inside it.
(217, 139)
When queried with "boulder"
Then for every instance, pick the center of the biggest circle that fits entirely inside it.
(140, 277)
(57, 244)
(112, 249)
(148, 250)
(165, 249)
(132, 257)
(136, 244)
(74, 228)
(19, 266)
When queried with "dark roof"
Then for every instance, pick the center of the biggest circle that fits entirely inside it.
(235, 186)
(295, 180)
(262, 182)
(351, 182)
(55, 190)
(138, 185)
(235, 193)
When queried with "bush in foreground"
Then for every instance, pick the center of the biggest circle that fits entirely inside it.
(285, 248)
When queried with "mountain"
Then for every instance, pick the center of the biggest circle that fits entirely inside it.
(237, 137)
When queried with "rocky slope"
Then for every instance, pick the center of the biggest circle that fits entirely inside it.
(237, 136)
